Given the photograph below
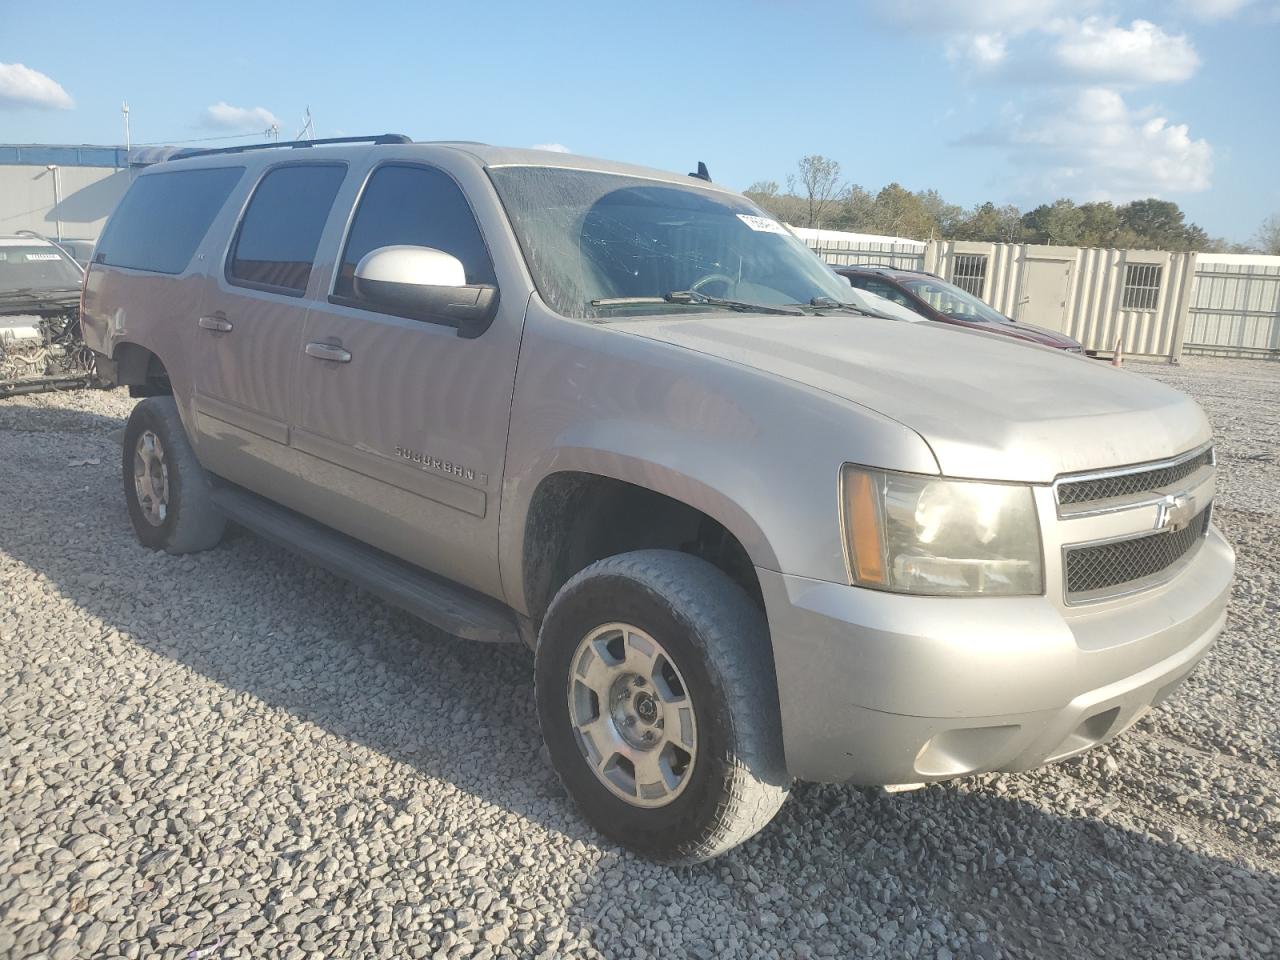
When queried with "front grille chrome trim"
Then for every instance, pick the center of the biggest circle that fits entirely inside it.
(1068, 508)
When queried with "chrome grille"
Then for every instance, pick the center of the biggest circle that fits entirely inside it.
(1110, 566)
(1131, 483)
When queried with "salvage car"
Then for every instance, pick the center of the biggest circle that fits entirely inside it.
(752, 532)
(40, 344)
(935, 299)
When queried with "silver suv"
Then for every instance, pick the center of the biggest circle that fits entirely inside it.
(752, 531)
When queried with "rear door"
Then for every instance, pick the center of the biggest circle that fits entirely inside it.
(250, 324)
(401, 423)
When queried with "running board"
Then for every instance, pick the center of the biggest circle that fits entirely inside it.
(453, 608)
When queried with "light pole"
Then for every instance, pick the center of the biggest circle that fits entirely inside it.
(124, 108)
(57, 197)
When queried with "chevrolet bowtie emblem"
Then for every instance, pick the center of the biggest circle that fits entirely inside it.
(1175, 513)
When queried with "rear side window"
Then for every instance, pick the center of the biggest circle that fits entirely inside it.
(164, 216)
(419, 206)
(279, 234)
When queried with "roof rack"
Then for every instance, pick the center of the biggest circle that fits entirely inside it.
(292, 144)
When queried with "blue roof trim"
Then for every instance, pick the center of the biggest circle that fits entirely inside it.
(39, 154)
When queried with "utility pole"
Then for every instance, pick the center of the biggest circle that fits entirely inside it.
(124, 109)
(273, 132)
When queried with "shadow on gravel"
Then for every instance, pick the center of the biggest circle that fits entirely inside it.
(858, 869)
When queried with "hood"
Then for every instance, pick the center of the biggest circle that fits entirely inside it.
(1032, 334)
(990, 407)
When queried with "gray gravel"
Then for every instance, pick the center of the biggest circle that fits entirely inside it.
(236, 755)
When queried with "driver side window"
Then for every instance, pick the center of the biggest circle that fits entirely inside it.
(417, 206)
(888, 291)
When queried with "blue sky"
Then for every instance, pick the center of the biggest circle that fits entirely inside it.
(1006, 100)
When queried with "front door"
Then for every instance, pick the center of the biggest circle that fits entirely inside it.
(250, 324)
(1042, 299)
(402, 424)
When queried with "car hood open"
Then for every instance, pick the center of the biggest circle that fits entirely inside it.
(990, 407)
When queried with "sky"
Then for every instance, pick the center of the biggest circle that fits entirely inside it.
(1013, 101)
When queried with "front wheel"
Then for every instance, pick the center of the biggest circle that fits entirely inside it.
(658, 703)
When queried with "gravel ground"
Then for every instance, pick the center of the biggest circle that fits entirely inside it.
(236, 755)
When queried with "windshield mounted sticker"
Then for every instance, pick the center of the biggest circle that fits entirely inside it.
(762, 224)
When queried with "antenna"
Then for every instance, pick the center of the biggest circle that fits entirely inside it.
(701, 173)
(308, 131)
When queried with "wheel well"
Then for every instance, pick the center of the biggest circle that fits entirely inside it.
(142, 371)
(576, 519)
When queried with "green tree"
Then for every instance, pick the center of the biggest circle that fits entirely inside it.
(1060, 222)
(1100, 224)
(1160, 224)
(990, 223)
(899, 212)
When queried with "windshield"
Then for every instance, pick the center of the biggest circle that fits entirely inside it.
(593, 237)
(952, 301)
(39, 268)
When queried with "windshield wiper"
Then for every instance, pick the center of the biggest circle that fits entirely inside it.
(694, 298)
(831, 303)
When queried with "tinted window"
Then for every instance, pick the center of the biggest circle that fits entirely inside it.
(280, 232)
(882, 289)
(419, 206)
(164, 216)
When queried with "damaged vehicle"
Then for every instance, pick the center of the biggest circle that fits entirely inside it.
(41, 347)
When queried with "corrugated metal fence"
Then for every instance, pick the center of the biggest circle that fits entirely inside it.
(1235, 310)
(1151, 302)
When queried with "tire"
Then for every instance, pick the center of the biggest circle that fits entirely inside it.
(177, 513)
(715, 649)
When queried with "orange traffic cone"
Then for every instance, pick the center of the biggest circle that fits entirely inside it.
(1117, 359)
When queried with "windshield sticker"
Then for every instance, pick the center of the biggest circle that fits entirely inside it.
(42, 256)
(762, 224)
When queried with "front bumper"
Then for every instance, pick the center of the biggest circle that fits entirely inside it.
(882, 688)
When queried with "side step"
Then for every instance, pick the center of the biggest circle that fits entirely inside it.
(450, 606)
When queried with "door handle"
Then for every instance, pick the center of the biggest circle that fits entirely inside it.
(217, 324)
(327, 351)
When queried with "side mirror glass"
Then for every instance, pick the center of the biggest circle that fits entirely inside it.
(423, 283)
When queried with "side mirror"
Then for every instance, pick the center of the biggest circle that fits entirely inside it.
(423, 283)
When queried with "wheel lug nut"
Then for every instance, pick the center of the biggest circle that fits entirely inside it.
(639, 681)
(648, 736)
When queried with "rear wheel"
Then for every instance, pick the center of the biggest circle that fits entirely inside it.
(165, 488)
(659, 707)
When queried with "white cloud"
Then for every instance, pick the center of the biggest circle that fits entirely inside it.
(20, 86)
(1100, 49)
(1212, 9)
(224, 116)
(984, 50)
(553, 147)
(1090, 145)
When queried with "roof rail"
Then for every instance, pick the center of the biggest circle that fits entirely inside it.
(293, 144)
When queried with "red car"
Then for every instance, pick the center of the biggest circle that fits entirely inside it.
(935, 299)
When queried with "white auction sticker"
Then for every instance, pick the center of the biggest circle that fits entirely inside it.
(42, 256)
(762, 224)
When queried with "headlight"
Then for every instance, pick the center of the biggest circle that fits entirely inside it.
(918, 534)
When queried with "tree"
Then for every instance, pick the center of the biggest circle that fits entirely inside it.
(1157, 223)
(819, 179)
(898, 212)
(1100, 224)
(990, 223)
(1269, 235)
(1060, 222)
